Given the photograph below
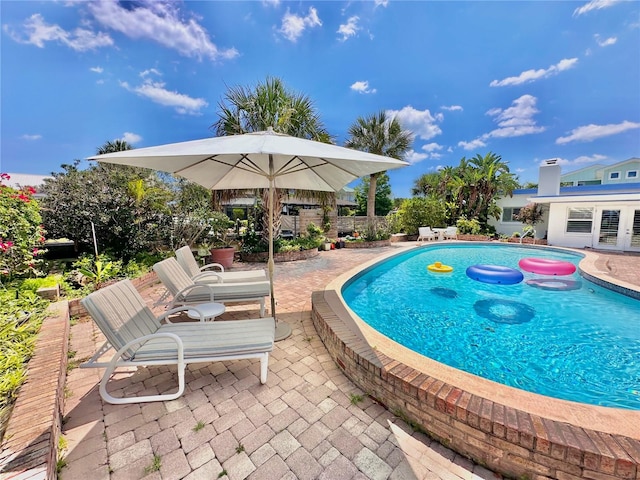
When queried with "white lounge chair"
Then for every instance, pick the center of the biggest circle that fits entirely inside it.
(187, 292)
(187, 261)
(139, 339)
(451, 233)
(425, 233)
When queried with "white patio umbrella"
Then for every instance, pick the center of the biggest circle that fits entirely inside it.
(258, 160)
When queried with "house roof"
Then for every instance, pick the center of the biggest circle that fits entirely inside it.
(585, 193)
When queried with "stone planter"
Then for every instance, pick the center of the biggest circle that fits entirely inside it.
(473, 238)
(223, 256)
(375, 244)
(528, 240)
(280, 257)
(398, 237)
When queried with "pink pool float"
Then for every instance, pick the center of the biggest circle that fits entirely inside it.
(545, 266)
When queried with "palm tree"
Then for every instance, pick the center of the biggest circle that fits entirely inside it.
(269, 104)
(381, 135)
(114, 146)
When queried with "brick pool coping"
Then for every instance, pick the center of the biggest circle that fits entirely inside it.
(508, 430)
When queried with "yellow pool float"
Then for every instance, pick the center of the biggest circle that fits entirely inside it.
(439, 267)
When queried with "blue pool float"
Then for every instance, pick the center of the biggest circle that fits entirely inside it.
(496, 274)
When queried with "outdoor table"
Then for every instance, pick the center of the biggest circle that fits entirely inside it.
(440, 232)
(209, 310)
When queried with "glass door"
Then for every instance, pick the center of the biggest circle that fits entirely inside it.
(608, 231)
(632, 231)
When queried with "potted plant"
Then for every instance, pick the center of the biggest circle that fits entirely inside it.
(217, 239)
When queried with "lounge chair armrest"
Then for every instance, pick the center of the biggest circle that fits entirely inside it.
(212, 265)
(183, 308)
(208, 275)
(182, 293)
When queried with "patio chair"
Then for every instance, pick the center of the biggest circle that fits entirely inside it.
(187, 292)
(425, 233)
(187, 261)
(140, 339)
(451, 233)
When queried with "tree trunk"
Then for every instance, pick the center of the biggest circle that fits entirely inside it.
(277, 217)
(371, 198)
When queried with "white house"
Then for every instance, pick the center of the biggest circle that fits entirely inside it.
(600, 210)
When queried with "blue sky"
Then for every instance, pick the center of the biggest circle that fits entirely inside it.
(526, 80)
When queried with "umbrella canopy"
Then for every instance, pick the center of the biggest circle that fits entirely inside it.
(258, 160)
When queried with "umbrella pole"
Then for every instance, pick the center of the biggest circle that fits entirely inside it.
(283, 329)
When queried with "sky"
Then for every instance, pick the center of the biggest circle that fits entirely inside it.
(528, 81)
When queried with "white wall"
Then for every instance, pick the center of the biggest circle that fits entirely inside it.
(508, 228)
(557, 225)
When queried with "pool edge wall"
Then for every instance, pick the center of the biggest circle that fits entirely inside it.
(504, 438)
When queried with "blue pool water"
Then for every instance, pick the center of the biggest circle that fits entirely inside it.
(580, 344)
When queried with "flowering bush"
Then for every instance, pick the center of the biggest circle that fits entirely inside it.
(21, 232)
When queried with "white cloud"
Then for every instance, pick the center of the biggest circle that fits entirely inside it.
(349, 29)
(532, 75)
(160, 22)
(414, 157)
(589, 133)
(514, 121)
(271, 3)
(362, 87)
(432, 147)
(37, 32)
(382, 3)
(606, 42)
(452, 108)
(29, 137)
(131, 138)
(582, 160)
(420, 122)
(149, 71)
(472, 145)
(97, 69)
(594, 5)
(293, 25)
(156, 92)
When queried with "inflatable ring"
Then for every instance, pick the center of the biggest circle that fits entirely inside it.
(553, 283)
(504, 311)
(546, 266)
(439, 267)
(496, 274)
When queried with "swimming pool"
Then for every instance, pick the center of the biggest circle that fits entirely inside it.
(581, 343)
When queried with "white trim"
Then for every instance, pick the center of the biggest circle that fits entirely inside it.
(594, 198)
(611, 177)
(630, 176)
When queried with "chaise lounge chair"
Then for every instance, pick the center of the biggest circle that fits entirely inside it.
(187, 261)
(425, 233)
(139, 339)
(451, 233)
(187, 292)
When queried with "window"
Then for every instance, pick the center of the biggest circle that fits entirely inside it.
(509, 214)
(614, 175)
(589, 182)
(632, 174)
(579, 220)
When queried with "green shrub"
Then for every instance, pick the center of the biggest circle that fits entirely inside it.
(468, 227)
(421, 212)
(33, 284)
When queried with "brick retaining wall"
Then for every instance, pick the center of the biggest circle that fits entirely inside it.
(29, 448)
(504, 439)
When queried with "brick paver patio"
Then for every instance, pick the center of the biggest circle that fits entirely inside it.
(308, 422)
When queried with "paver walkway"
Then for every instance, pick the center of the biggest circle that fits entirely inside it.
(307, 422)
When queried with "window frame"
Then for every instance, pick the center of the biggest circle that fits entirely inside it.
(513, 220)
(635, 172)
(611, 175)
(575, 221)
